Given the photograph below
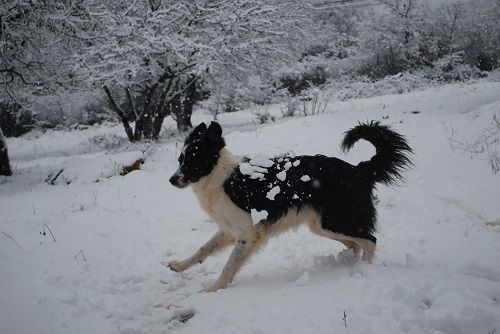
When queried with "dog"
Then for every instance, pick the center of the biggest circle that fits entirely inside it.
(253, 200)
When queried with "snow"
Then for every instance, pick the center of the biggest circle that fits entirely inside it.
(255, 172)
(262, 162)
(94, 168)
(281, 175)
(436, 269)
(271, 194)
(305, 178)
(288, 165)
(258, 216)
(296, 163)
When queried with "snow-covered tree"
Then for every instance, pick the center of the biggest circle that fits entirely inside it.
(154, 55)
(394, 37)
(329, 48)
(36, 41)
(478, 33)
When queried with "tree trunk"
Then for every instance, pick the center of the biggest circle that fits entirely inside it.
(144, 123)
(160, 117)
(184, 117)
(148, 123)
(120, 113)
(183, 122)
(4, 156)
(148, 113)
(163, 109)
(138, 126)
(176, 108)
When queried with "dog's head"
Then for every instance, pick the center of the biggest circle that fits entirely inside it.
(199, 154)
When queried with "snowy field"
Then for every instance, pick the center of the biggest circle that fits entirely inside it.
(80, 256)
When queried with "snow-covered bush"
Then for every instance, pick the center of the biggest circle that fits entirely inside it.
(291, 107)
(96, 112)
(314, 101)
(263, 116)
(305, 76)
(453, 68)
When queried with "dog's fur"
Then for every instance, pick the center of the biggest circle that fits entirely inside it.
(333, 197)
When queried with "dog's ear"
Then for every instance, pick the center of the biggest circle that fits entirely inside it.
(200, 129)
(214, 132)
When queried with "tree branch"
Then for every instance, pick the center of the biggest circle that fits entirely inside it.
(120, 114)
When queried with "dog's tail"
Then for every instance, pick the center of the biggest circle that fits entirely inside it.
(392, 155)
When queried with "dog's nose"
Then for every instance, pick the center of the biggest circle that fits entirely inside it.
(174, 180)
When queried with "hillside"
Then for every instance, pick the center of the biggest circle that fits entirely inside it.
(101, 267)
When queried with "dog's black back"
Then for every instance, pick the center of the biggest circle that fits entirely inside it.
(338, 191)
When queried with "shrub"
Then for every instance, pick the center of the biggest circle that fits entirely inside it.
(15, 121)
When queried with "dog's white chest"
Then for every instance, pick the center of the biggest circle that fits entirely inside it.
(214, 200)
(209, 202)
(224, 212)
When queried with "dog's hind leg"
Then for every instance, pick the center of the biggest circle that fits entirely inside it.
(351, 245)
(218, 242)
(355, 243)
(368, 247)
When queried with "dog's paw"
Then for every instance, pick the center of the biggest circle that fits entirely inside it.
(347, 256)
(212, 288)
(178, 266)
(216, 286)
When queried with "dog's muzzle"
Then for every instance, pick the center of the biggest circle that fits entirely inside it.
(178, 180)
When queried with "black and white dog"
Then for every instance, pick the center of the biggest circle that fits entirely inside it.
(253, 200)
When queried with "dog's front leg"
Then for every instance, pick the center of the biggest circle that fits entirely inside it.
(218, 242)
(241, 252)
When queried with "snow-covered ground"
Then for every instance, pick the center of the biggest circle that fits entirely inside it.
(88, 257)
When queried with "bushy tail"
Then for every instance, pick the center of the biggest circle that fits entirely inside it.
(392, 156)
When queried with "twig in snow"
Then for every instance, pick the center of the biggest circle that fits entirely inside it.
(33, 206)
(94, 195)
(52, 180)
(345, 319)
(487, 143)
(11, 238)
(43, 232)
(83, 255)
